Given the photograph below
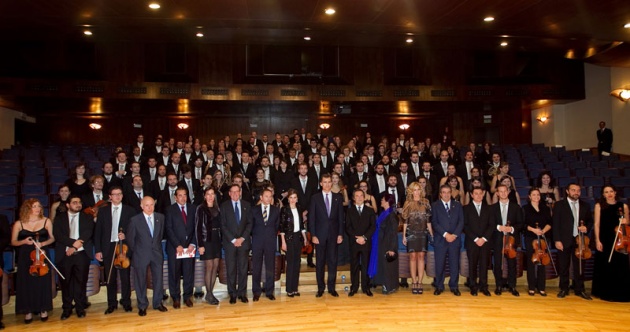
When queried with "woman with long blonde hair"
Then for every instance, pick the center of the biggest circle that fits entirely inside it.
(416, 214)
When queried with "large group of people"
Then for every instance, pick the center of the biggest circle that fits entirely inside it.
(253, 197)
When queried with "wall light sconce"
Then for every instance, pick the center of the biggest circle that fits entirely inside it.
(404, 126)
(324, 126)
(95, 126)
(542, 119)
(621, 94)
(182, 126)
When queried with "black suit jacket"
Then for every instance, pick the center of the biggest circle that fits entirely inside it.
(319, 223)
(563, 221)
(355, 179)
(114, 181)
(131, 198)
(250, 173)
(179, 233)
(399, 191)
(304, 196)
(171, 169)
(514, 216)
(360, 225)
(605, 139)
(230, 229)
(195, 184)
(265, 234)
(103, 227)
(478, 225)
(61, 232)
(5, 237)
(146, 248)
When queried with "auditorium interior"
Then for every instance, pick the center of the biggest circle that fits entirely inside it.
(534, 78)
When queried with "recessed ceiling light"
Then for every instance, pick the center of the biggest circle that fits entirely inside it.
(409, 41)
(627, 26)
(488, 19)
(199, 34)
(307, 38)
(87, 32)
(329, 11)
(154, 5)
(504, 44)
(409, 33)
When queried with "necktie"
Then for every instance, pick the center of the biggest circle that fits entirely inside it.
(139, 195)
(478, 209)
(150, 223)
(448, 209)
(504, 213)
(303, 185)
(327, 205)
(121, 167)
(152, 174)
(115, 223)
(198, 176)
(575, 217)
(265, 217)
(98, 198)
(359, 208)
(184, 215)
(394, 193)
(162, 184)
(426, 175)
(172, 192)
(237, 213)
(468, 167)
(190, 190)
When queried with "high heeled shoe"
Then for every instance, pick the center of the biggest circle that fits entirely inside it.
(43, 316)
(28, 319)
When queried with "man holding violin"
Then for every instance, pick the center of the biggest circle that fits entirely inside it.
(111, 224)
(74, 250)
(509, 220)
(571, 217)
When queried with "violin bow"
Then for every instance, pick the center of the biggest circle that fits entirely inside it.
(43, 253)
(616, 237)
(111, 266)
(550, 257)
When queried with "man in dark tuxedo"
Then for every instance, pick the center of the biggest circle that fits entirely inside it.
(571, 217)
(175, 166)
(5, 240)
(432, 178)
(156, 186)
(359, 175)
(144, 237)
(448, 224)
(325, 222)
(265, 227)
(236, 228)
(389, 168)
(248, 169)
(338, 168)
(441, 167)
(508, 217)
(111, 180)
(150, 172)
(122, 166)
(479, 225)
(136, 156)
(134, 196)
(90, 199)
(73, 252)
(197, 169)
(404, 177)
(180, 235)
(167, 196)
(604, 139)
(139, 143)
(191, 185)
(317, 170)
(378, 182)
(360, 226)
(188, 157)
(128, 179)
(111, 224)
(415, 165)
(463, 170)
(394, 189)
(164, 158)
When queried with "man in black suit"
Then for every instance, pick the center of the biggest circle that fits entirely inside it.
(325, 222)
(122, 166)
(604, 139)
(180, 235)
(359, 175)
(378, 182)
(90, 199)
(248, 169)
(479, 225)
(175, 166)
(415, 165)
(144, 236)
(167, 196)
(360, 226)
(508, 217)
(571, 217)
(317, 170)
(135, 194)
(111, 225)
(136, 156)
(432, 178)
(394, 189)
(150, 172)
(164, 158)
(156, 186)
(73, 252)
(191, 185)
(463, 170)
(265, 226)
(236, 228)
(5, 240)
(404, 177)
(441, 167)
(111, 180)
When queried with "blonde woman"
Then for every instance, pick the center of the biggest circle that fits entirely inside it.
(416, 214)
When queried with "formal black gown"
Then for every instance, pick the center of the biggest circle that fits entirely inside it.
(387, 272)
(611, 281)
(32, 294)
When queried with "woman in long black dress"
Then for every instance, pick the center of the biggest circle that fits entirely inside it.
(78, 182)
(293, 236)
(33, 294)
(60, 205)
(538, 220)
(383, 267)
(208, 230)
(611, 280)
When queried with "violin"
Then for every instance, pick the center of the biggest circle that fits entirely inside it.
(38, 268)
(93, 210)
(308, 249)
(622, 242)
(508, 244)
(582, 251)
(541, 249)
(121, 261)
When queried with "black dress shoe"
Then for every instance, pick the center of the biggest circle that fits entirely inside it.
(562, 294)
(296, 294)
(161, 308)
(232, 299)
(404, 284)
(333, 293)
(514, 292)
(81, 313)
(438, 291)
(319, 293)
(188, 303)
(65, 314)
(456, 292)
(290, 295)
(142, 312)
(256, 297)
(473, 292)
(28, 320)
(368, 292)
(128, 308)
(351, 294)
(311, 265)
(486, 292)
(497, 291)
(583, 295)
(243, 299)
(271, 297)
(110, 309)
(542, 293)
(176, 304)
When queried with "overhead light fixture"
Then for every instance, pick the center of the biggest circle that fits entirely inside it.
(95, 126)
(87, 32)
(504, 44)
(182, 126)
(542, 119)
(488, 19)
(329, 11)
(324, 126)
(307, 38)
(627, 26)
(409, 40)
(404, 126)
(154, 5)
(199, 34)
(621, 94)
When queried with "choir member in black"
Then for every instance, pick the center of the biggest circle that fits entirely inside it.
(73, 252)
(33, 294)
(383, 266)
(208, 230)
(78, 182)
(505, 211)
(360, 226)
(60, 205)
(293, 234)
(610, 279)
(538, 222)
(478, 226)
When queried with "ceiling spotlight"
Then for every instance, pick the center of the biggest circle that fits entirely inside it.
(404, 126)
(627, 26)
(154, 5)
(199, 34)
(87, 32)
(95, 126)
(621, 94)
(329, 11)
(307, 38)
(504, 44)
(324, 126)
(182, 125)
(409, 41)
(488, 19)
